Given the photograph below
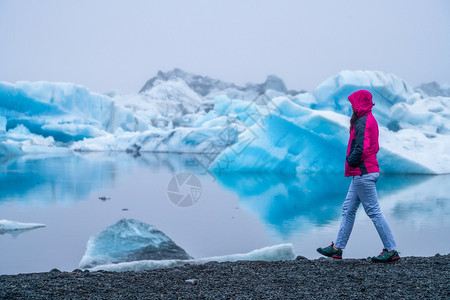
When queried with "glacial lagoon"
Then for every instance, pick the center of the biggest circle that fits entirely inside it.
(77, 196)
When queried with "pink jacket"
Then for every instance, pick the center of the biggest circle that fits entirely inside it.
(363, 145)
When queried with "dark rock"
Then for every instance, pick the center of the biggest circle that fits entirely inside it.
(299, 257)
(55, 271)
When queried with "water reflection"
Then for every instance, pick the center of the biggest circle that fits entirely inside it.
(16, 233)
(71, 178)
(290, 204)
(302, 210)
(424, 202)
(281, 200)
(53, 179)
(287, 203)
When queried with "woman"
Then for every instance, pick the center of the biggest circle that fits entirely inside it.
(361, 163)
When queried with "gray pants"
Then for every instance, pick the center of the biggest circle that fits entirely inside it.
(362, 190)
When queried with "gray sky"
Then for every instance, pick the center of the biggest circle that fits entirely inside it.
(118, 45)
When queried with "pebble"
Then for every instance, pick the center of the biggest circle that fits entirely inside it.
(193, 281)
(412, 278)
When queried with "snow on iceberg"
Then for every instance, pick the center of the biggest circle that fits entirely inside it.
(272, 253)
(8, 226)
(130, 240)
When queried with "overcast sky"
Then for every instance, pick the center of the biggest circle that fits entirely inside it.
(118, 45)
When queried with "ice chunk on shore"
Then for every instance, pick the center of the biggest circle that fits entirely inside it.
(8, 226)
(130, 240)
(272, 253)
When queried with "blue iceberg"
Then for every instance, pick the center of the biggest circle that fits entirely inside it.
(130, 240)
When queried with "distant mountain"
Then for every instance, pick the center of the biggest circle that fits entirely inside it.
(204, 85)
(434, 89)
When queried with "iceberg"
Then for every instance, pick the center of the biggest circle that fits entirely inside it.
(387, 90)
(271, 253)
(303, 140)
(7, 226)
(257, 127)
(20, 141)
(178, 140)
(130, 240)
(429, 115)
(64, 112)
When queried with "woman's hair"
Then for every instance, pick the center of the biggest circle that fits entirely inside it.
(353, 120)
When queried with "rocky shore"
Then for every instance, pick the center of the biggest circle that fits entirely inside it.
(409, 278)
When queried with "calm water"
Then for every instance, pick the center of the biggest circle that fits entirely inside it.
(233, 213)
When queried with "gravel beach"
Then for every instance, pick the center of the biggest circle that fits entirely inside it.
(409, 278)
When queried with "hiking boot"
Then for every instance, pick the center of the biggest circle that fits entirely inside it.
(386, 256)
(330, 251)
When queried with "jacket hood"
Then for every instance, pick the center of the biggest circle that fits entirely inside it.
(362, 102)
